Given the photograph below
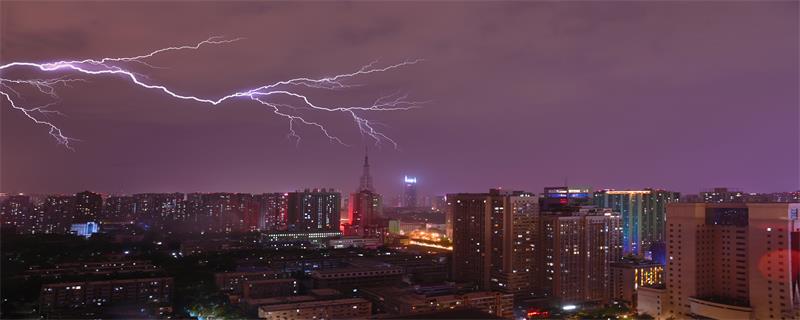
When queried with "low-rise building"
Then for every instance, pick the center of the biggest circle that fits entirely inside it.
(651, 301)
(399, 301)
(93, 268)
(349, 279)
(77, 299)
(233, 282)
(258, 289)
(355, 242)
(629, 275)
(352, 308)
(251, 305)
(298, 239)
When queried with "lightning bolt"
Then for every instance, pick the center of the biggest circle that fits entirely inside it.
(263, 94)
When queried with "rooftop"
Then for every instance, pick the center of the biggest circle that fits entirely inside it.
(311, 304)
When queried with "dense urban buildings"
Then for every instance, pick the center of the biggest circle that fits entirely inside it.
(493, 254)
(522, 160)
(729, 261)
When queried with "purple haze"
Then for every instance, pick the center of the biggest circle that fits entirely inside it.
(676, 95)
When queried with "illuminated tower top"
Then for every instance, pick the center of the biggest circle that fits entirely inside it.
(409, 192)
(366, 178)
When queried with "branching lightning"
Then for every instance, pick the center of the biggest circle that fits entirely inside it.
(9, 89)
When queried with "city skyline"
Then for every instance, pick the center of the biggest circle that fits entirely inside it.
(520, 160)
(641, 101)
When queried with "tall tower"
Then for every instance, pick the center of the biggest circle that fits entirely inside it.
(409, 191)
(366, 178)
(364, 206)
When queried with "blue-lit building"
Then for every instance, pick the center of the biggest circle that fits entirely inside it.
(85, 229)
(643, 218)
(564, 199)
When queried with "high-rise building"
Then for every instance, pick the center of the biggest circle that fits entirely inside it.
(731, 261)
(643, 215)
(493, 239)
(314, 210)
(58, 214)
(224, 212)
(88, 206)
(273, 209)
(409, 192)
(559, 199)
(364, 212)
(365, 183)
(365, 205)
(574, 251)
(160, 210)
(119, 209)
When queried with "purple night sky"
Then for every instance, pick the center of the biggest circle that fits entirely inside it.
(676, 95)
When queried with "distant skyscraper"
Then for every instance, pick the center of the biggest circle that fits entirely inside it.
(643, 215)
(730, 261)
(493, 239)
(366, 178)
(560, 199)
(314, 210)
(409, 191)
(722, 195)
(364, 206)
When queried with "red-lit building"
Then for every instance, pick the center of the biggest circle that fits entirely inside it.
(364, 210)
